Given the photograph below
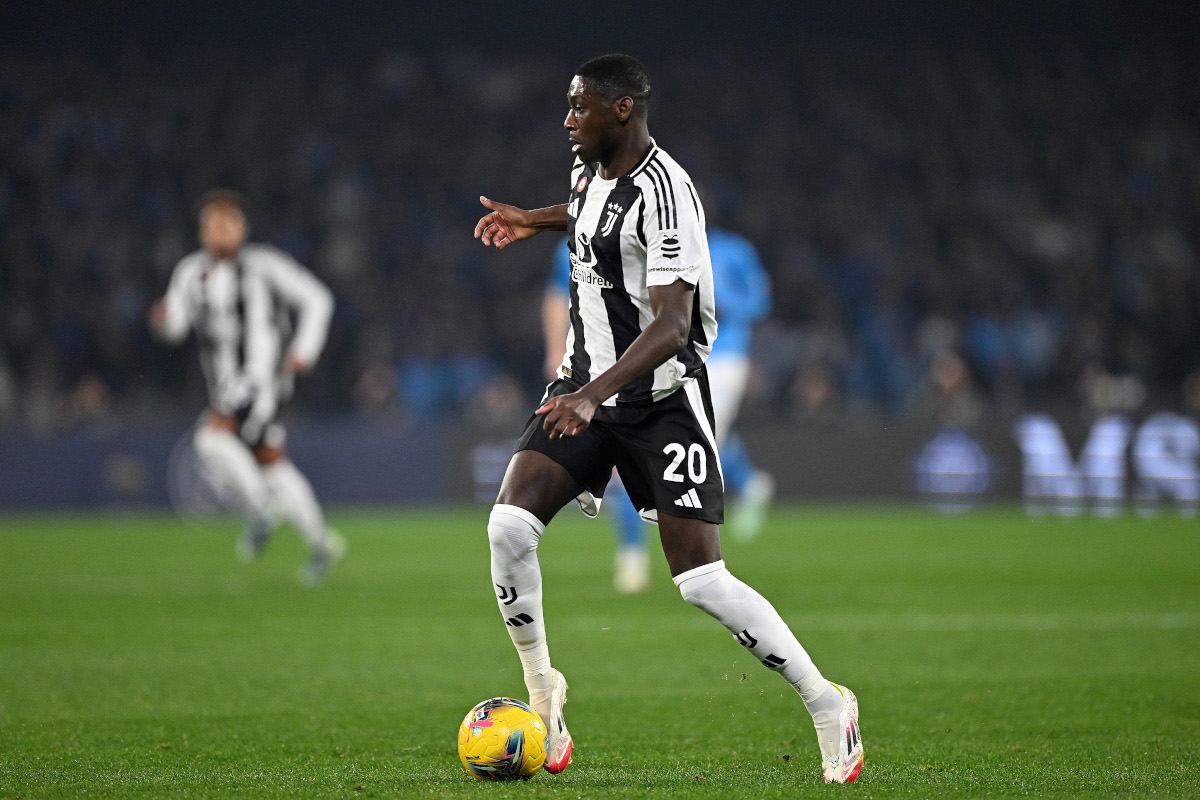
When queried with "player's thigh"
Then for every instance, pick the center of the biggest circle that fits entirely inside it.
(538, 484)
(545, 474)
(688, 543)
(219, 421)
(668, 462)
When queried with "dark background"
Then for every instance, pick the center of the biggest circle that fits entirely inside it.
(1015, 185)
(568, 30)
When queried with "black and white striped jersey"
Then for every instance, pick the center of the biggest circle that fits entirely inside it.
(240, 310)
(643, 229)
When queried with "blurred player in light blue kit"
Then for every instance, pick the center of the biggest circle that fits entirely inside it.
(743, 295)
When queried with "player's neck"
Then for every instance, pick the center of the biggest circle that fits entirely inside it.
(626, 155)
(224, 253)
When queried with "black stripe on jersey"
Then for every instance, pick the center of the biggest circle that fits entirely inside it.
(688, 356)
(698, 336)
(647, 156)
(203, 324)
(581, 362)
(624, 322)
(695, 200)
(282, 317)
(659, 191)
(706, 397)
(204, 330)
(239, 278)
(641, 223)
(656, 167)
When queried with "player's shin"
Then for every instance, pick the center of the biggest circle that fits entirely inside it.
(295, 501)
(513, 535)
(757, 626)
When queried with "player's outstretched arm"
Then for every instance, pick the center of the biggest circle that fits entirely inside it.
(157, 317)
(506, 224)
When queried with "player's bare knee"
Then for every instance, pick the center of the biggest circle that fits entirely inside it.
(688, 544)
(266, 454)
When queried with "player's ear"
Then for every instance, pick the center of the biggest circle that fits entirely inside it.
(624, 109)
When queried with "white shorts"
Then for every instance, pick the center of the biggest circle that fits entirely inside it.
(727, 378)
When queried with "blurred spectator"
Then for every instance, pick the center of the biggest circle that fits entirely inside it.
(815, 393)
(948, 398)
(1037, 208)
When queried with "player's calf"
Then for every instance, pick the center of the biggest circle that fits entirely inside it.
(757, 626)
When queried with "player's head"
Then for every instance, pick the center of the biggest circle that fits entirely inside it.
(221, 215)
(606, 95)
(615, 76)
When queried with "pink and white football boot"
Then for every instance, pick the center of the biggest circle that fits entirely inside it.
(558, 738)
(842, 758)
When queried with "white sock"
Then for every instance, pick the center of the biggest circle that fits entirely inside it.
(233, 466)
(293, 499)
(758, 627)
(513, 534)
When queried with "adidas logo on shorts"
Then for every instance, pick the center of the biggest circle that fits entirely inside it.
(689, 500)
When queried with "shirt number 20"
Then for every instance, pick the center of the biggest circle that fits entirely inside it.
(697, 462)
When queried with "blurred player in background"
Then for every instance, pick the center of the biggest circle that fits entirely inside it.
(237, 297)
(631, 566)
(632, 393)
(743, 292)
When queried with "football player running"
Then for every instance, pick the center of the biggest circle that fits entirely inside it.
(234, 296)
(633, 394)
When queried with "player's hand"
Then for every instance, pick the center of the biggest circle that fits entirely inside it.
(294, 365)
(157, 318)
(504, 225)
(567, 414)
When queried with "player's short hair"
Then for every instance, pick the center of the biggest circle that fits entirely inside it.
(220, 196)
(617, 75)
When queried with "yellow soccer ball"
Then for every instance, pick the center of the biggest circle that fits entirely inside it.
(502, 739)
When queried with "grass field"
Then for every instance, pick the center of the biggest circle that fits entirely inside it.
(994, 656)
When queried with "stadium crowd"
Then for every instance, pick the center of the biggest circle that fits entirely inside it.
(1036, 213)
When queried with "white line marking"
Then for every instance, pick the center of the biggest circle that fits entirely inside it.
(1034, 621)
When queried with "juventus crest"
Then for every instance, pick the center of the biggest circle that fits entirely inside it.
(614, 212)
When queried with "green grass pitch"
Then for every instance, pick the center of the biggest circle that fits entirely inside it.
(993, 656)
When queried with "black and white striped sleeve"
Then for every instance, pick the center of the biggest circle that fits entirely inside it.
(304, 292)
(673, 224)
(179, 300)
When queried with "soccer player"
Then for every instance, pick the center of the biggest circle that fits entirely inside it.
(236, 297)
(743, 292)
(631, 566)
(633, 395)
